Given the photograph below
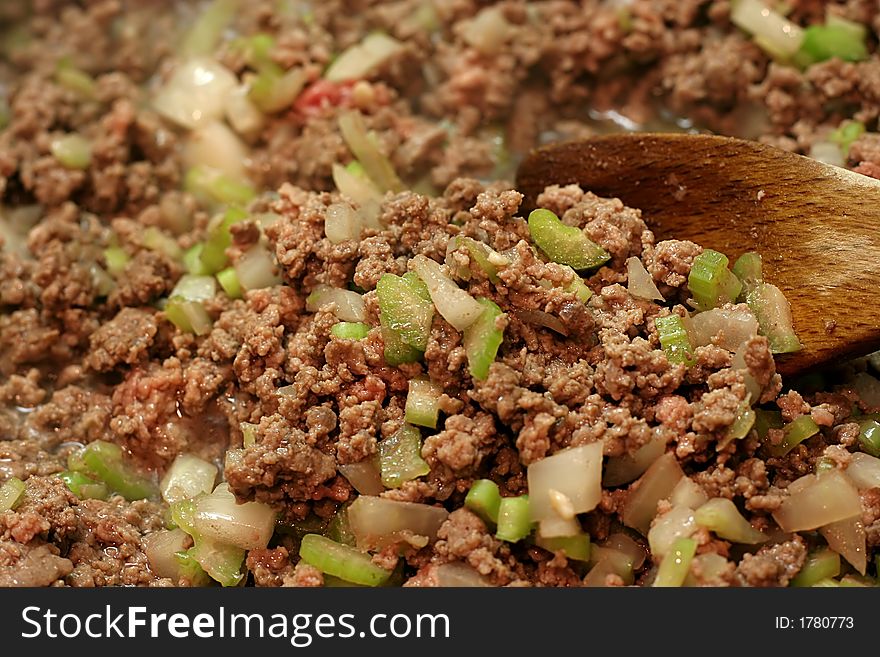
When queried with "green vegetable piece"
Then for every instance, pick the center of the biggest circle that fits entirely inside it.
(155, 240)
(211, 186)
(400, 457)
(484, 499)
(190, 569)
(72, 78)
(350, 330)
(72, 151)
(578, 288)
(423, 403)
(824, 42)
(846, 133)
(749, 270)
(10, 493)
(826, 583)
(339, 529)
(397, 351)
(795, 432)
(116, 260)
(773, 313)
(192, 260)
(188, 316)
(721, 516)
(567, 245)
(84, 487)
(273, 89)
(405, 309)
(228, 280)
(869, 437)
(256, 49)
(482, 339)
(183, 515)
(676, 564)
(674, 340)
(710, 281)
(514, 521)
(248, 434)
(221, 562)
(104, 461)
(575, 547)
(342, 561)
(818, 566)
(479, 253)
(203, 37)
(766, 420)
(824, 464)
(213, 255)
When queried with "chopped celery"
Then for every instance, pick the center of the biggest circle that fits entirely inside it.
(710, 281)
(745, 420)
(818, 566)
(674, 339)
(274, 89)
(192, 260)
(575, 547)
(400, 457)
(10, 493)
(826, 582)
(364, 145)
(155, 240)
(342, 561)
(773, 313)
(189, 569)
(339, 529)
(846, 133)
(256, 49)
(405, 309)
(204, 35)
(869, 437)
(221, 562)
(577, 287)
(721, 516)
(188, 316)
(514, 519)
(567, 245)
(72, 151)
(104, 461)
(350, 330)
(228, 280)
(396, 350)
(676, 564)
(484, 499)
(183, 515)
(479, 253)
(84, 487)
(766, 420)
(824, 464)
(116, 259)
(423, 403)
(212, 186)
(795, 432)
(482, 339)
(72, 78)
(823, 42)
(213, 254)
(748, 268)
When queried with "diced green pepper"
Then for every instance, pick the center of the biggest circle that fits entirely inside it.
(84, 487)
(400, 457)
(514, 519)
(674, 339)
(350, 330)
(567, 245)
(484, 499)
(104, 461)
(342, 561)
(710, 281)
(482, 339)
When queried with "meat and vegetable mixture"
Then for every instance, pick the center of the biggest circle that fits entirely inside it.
(272, 313)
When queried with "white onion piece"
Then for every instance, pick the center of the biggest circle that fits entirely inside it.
(248, 526)
(341, 223)
(868, 389)
(639, 282)
(772, 31)
(830, 498)
(827, 152)
(256, 269)
(488, 31)
(864, 471)
(195, 288)
(624, 469)
(732, 326)
(655, 485)
(196, 93)
(458, 574)
(187, 477)
(847, 538)
(555, 526)
(752, 386)
(216, 147)
(362, 59)
(623, 543)
(364, 476)
(541, 318)
(377, 522)
(563, 485)
(721, 516)
(244, 117)
(160, 548)
(688, 493)
(349, 305)
(676, 523)
(455, 305)
(599, 573)
(365, 146)
(362, 191)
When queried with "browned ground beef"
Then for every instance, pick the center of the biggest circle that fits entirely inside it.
(79, 363)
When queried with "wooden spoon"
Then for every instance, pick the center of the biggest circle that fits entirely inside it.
(817, 226)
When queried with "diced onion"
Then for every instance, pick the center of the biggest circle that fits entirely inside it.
(864, 471)
(847, 538)
(377, 522)
(160, 548)
(827, 152)
(256, 269)
(688, 493)
(349, 305)
(624, 469)
(656, 484)
(362, 59)
(455, 305)
(639, 282)
(772, 31)
(364, 476)
(458, 574)
(187, 477)
(829, 498)
(196, 93)
(676, 523)
(362, 191)
(573, 475)
(732, 326)
(721, 516)
(626, 545)
(214, 146)
(244, 117)
(342, 223)
(868, 389)
(541, 318)
(488, 31)
(195, 288)
(364, 145)
(248, 526)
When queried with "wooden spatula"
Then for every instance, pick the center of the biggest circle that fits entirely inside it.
(817, 226)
